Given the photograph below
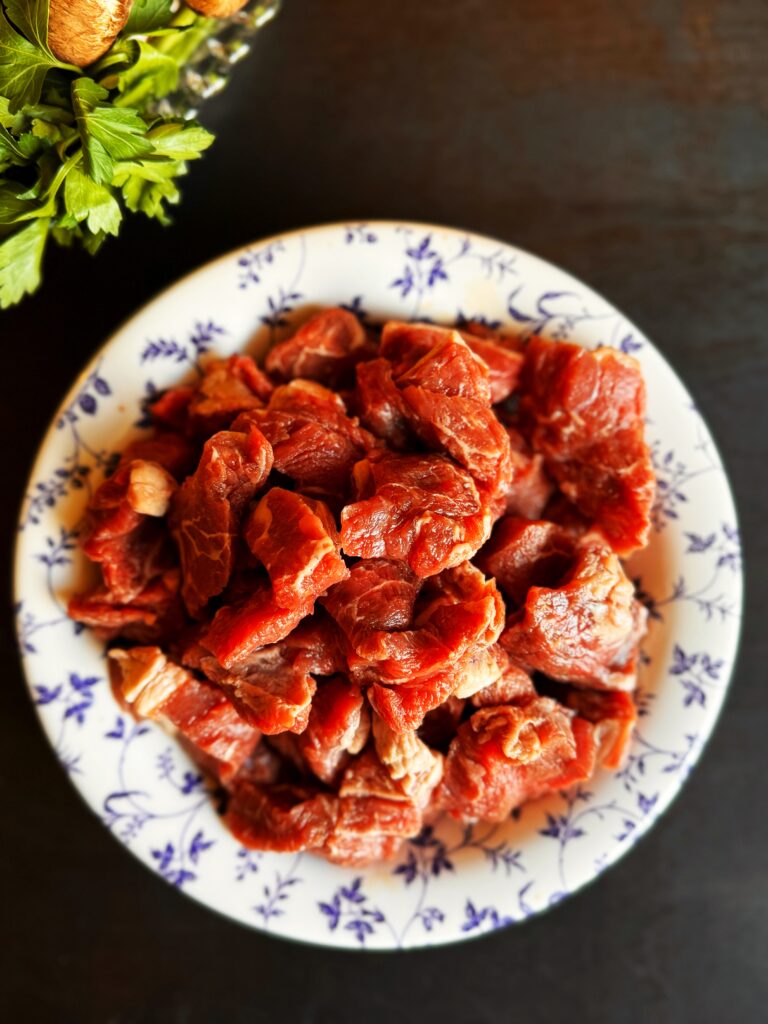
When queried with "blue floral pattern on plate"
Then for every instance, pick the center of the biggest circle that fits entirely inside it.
(451, 882)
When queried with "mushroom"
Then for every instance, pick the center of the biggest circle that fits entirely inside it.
(80, 31)
(216, 8)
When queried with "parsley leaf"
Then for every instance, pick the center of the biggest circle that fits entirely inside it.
(31, 19)
(12, 206)
(20, 257)
(87, 201)
(9, 150)
(108, 133)
(23, 67)
(148, 14)
(146, 185)
(151, 75)
(180, 141)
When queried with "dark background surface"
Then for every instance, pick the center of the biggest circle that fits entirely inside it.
(627, 142)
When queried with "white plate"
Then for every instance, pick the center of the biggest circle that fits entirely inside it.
(449, 884)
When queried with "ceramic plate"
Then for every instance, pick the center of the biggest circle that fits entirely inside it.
(449, 883)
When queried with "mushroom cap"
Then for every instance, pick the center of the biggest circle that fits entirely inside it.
(80, 31)
(216, 8)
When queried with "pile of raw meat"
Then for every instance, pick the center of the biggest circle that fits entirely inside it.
(380, 579)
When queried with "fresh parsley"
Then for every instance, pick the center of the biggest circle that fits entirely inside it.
(80, 149)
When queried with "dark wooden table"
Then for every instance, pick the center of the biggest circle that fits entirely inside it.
(627, 142)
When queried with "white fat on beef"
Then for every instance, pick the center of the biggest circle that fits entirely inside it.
(409, 761)
(150, 488)
(481, 667)
(146, 677)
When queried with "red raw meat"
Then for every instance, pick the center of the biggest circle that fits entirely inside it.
(326, 348)
(614, 716)
(421, 509)
(378, 595)
(239, 630)
(404, 344)
(513, 687)
(467, 430)
(448, 368)
(456, 611)
(584, 411)
(502, 756)
(123, 531)
(315, 443)
(171, 409)
(586, 630)
(264, 767)
(271, 689)
(530, 488)
(440, 724)
(208, 508)
(156, 688)
(349, 828)
(354, 849)
(339, 725)
(504, 365)
(296, 539)
(446, 393)
(580, 767)
(404, 705)
(227, 388)
(155, 614)
(337, 729)
(281, 817)
(316, 645)
(173, 451)
(380, 405)
(523, 553)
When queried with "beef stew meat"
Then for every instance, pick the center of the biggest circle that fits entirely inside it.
(362, 587)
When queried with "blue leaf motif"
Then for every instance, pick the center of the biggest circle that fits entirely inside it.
(191, 782)
(199, 845)
(87, 403)
(682, 663)
(47, 695)
(164, 856)
(352, 892)
(118, 731)
(697, 544)
(332, 911)
(82, 685)
(646, 803)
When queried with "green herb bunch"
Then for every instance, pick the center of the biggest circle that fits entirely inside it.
(79, 148)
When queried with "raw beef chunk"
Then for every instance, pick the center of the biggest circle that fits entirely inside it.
(584, 411)
(228, 387)
(503, 756)
(272, 688)
(123, 532)
(613, 715)
(419, 509)
(380, 405)
(156, 688)
(338, 727)
(314, 442)
(326, 348)
(523, 553)
(455, 611)
(585, 630)
(296, 540)
(209, 506)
